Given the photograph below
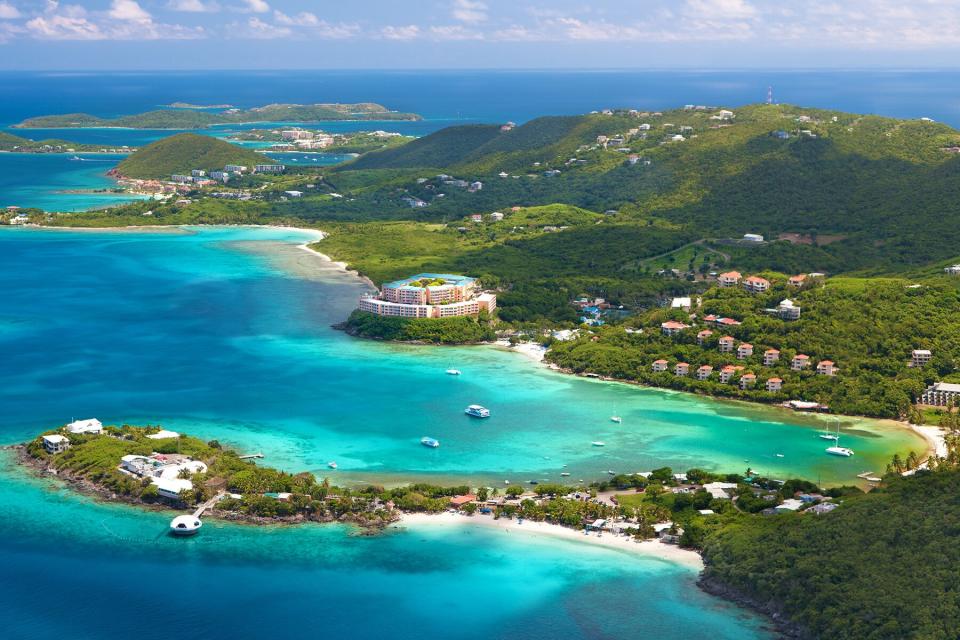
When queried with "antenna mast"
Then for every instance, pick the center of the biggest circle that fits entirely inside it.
(769, 95)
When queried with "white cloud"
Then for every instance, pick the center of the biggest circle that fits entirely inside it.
(62, 27)
(130, 11)
(469, 11)
(455, 32)
(318, 28)
(723, 9)
(254, 6)
(193, 6)
(407, 32)
(259, 30)
(8, 11)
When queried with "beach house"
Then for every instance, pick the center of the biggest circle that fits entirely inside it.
(940, 394)
(681, 369)
(55, 443)
(747, 380)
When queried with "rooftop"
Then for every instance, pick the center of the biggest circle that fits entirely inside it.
(447, 278)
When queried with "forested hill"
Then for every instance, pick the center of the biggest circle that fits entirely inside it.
(881, 567)
(182, 153)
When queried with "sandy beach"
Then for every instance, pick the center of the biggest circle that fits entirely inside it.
(532, 350)
(651, 548)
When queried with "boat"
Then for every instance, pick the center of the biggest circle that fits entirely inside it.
(598, 443)
(185, 525)
(613, 473)
(616, 419)
(332, 465)
(827, 435)
(564, 474)
(477, 411)
(453, 372)
(840, 451)
(429, 442)
(779, 455)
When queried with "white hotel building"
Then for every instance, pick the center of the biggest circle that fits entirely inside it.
(429, 295)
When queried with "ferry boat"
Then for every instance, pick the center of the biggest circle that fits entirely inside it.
(598, 443)
(185, 525)
(332, 465)
(453, 372)
(477, 411)
(429, 442)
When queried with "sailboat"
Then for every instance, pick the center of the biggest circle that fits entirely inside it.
(828, 435)
(836, 449)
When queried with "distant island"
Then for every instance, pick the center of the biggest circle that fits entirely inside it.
(15, 144)
(193, 118)
(187, 105)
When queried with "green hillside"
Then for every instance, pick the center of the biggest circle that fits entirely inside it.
(183, 152)
(880, 567)
(441, 149)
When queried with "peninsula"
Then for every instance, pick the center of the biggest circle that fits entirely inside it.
(183, 117)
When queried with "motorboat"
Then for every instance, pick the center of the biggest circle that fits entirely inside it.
(429, 442)
(598, 443)
(616, 419)
(564, 474)
(453, 372)
(185, 525)
(332, 465)
(477, 411)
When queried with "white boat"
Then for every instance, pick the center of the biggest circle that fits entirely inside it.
(332, 465)
(429, 442)
(477, 411)
(185, 525)
(840, 451)
(453, 372)
(613, 473)
(827, 435)
(598, 443)
(564, 474)
(616, 419)
(779, 455)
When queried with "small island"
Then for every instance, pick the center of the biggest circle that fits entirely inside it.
(193, 118)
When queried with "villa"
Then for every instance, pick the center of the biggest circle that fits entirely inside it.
(756, 284)
(90, 425)
(703, 335)
(729, 279)
(826, 368)
(672, 327)
(920, 357)
(704, 372)
(56, 443)
(659, 366)
(726, 344)
(430, 295)
(797, 280)
(747, 380)
(774, 384)
(770, 356)
(786, 310)
(163, 471)
(681, 369)
(800, 362)
(745, 350)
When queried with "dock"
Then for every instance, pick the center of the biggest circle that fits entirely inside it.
(209, 503)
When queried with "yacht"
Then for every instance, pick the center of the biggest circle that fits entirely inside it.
(477, 411)
(332, 465)
(839, 451)
(429, 442)
(453, 372)
(598, 443)
(185, 525)
(827, 435)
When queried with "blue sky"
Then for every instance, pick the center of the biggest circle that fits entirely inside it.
(250, 34)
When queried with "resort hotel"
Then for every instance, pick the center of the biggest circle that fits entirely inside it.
(430, 295)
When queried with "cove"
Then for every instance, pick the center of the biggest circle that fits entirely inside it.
(225, 333)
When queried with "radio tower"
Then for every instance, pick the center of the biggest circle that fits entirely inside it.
(769, 95)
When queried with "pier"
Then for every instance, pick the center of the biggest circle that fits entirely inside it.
(209, 503)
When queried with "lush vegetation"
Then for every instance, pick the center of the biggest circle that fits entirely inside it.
(881, 567)
(867, 327)
(199, 119)
(182, 153)
(14, 143)
(460, 330)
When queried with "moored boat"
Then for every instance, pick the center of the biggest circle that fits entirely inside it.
(598, 443)
(453, 372)
(429, 442)
(477, 411)
(332, 464)
(840, 451)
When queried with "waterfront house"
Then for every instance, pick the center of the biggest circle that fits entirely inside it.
(774, 384)
(826, 368)
(659, 366)
(920, 357)
(672, 327)
(727, 373)
(940, 394)
(756, 284)
(800, 362)
(55, 443)
(703, 336)
(90, 425)
(704, 372)
(681, 369)
(770, 356)
(729, 279)
(747, 380)
(745, 350)
(457, 502)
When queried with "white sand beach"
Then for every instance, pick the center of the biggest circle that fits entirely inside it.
(652, 548)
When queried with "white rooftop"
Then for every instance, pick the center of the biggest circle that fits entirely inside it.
(163, 434)
(949, 387)
(90, 425)
(55, 438)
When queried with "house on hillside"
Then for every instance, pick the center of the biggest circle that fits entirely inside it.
(774, 384)
(770, 357)
(729, 279)
(756, 284)
(745, 350)
(920, 357)
(826, 368)
(725, 344)
(659, 366)
(800, 362)
(681, 369)
(704, 372)
(747, 380)
(703, 336)
(672, 327)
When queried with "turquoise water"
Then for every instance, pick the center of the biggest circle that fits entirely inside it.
(77, 569)
(224, 333)
(44, 180)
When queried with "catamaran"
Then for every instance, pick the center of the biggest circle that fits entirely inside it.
(477, 411)
(836, 449)
(429, 442)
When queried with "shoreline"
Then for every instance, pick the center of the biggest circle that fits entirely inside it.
(650, 548)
